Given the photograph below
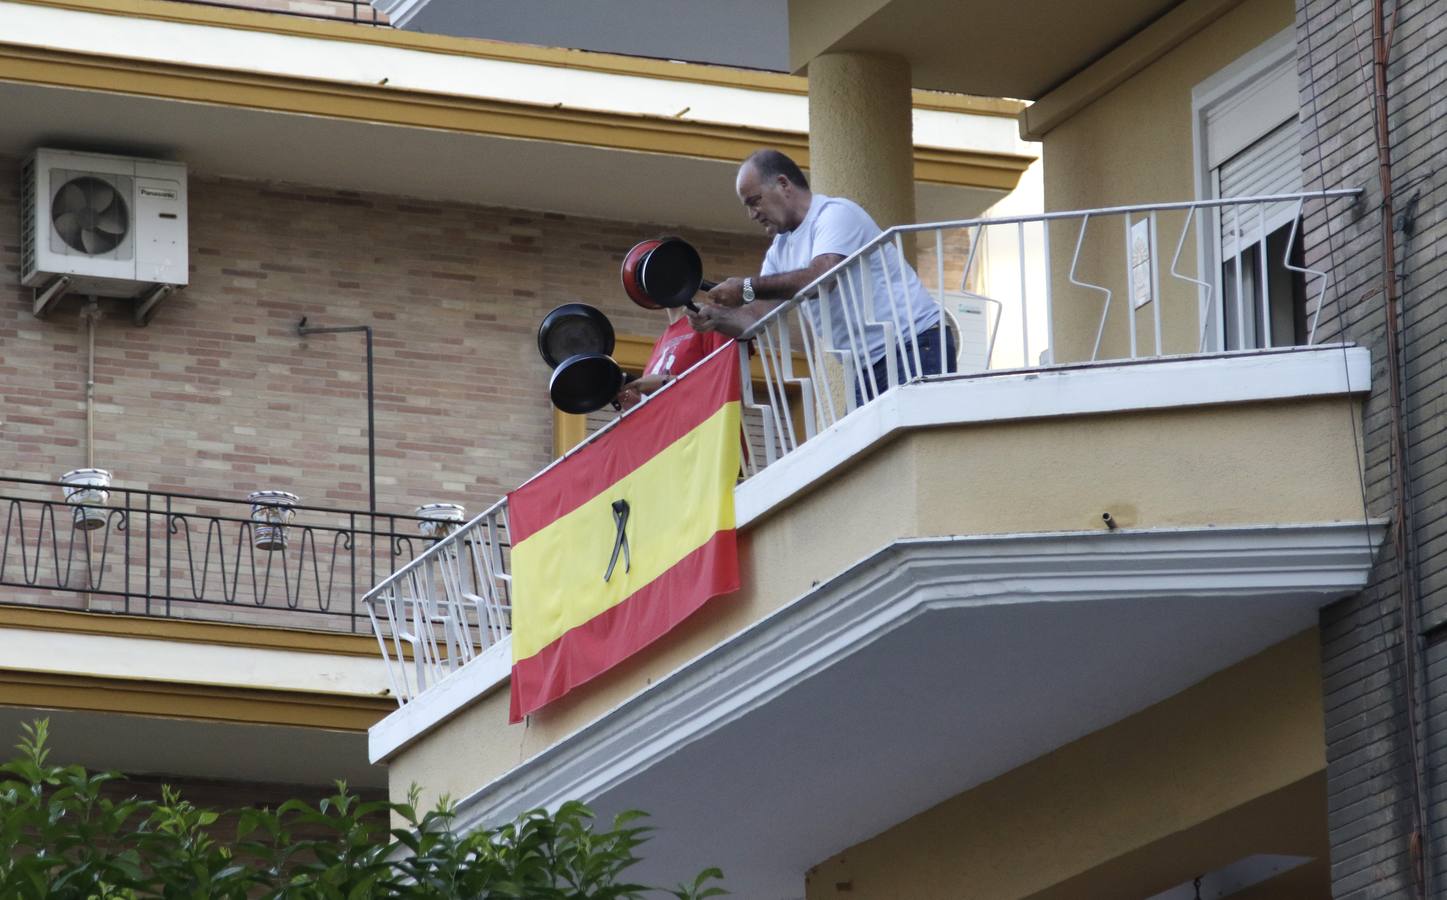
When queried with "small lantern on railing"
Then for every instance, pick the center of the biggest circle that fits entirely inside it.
(87, 486)
(440, 519)
(271, 511)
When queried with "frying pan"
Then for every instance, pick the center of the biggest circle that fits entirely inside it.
(575, 340)
(586, 383)
(571, 329)
(663, 272)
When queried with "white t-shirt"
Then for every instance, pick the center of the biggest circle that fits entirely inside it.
(837, 225)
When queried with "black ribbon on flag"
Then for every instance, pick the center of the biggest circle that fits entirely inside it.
(620, 540)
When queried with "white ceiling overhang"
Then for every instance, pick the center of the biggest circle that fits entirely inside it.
(264, 98)
(923, 670)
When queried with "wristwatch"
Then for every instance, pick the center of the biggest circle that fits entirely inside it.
(748, 290)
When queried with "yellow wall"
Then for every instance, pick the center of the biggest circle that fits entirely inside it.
(1248, 464)
(1227, 768)
(861, 143)
(1134, 145)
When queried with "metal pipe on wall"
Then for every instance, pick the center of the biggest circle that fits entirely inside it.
(304, 330)
(1420, 843)
(89, 313)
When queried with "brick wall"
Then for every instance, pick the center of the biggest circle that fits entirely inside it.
(220, 396)
(1368, 761)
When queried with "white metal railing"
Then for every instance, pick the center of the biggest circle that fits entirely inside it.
(992, 291)
(445, 607)
(989, 283)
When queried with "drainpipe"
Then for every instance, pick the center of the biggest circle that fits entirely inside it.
(303, 329)
(1420, 844)
(88, 314)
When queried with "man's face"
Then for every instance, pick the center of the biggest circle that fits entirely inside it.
(766, 200)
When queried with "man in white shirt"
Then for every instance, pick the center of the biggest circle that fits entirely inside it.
(813, 233)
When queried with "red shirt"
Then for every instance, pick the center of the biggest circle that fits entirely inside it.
(680, 347)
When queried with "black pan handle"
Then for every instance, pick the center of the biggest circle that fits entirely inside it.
(627, 377)
(704, 286)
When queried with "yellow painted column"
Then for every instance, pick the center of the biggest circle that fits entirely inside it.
(861, 136)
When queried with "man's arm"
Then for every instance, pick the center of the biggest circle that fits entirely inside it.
(781, 286)
(729, 320)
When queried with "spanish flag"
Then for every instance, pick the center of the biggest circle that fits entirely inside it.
(618, 543)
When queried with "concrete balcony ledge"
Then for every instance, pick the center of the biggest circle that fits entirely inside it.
(1162, 383)
(193, 699)
(1088, 390)
(943, 547)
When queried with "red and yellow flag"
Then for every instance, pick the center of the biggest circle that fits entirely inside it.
(649, 505)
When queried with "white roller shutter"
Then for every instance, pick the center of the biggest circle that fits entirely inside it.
(1270, 165)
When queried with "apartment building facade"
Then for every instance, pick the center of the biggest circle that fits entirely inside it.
(1154, 613)
(433, 197)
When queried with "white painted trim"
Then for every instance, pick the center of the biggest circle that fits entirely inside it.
(479, 677)
(1171, 383)
(900, 583)
(1267, 61)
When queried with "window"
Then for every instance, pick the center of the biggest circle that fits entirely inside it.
(1247, 145)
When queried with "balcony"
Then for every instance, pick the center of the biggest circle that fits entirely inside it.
(198, 558)
(1121, 473)
(196, 636)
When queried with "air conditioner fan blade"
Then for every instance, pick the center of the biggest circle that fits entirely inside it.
(102, 195)
(70, 199)
(67, 225)
(94, 242)
(112, 221)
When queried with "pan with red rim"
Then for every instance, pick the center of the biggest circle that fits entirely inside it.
(663, 273)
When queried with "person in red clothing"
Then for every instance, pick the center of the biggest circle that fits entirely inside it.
(678, 348)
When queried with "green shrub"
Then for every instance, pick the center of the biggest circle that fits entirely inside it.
(64, 839)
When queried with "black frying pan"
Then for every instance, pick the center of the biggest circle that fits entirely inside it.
(571, 329)
(576, 339)
(586, 383)
(663, 272)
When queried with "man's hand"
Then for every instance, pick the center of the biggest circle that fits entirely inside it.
(724, 319)
(628, 397)
(729, 292)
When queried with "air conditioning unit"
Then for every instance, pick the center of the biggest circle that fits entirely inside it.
(110, 226)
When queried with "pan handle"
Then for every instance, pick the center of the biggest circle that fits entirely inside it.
(703, 286)
(626, 379)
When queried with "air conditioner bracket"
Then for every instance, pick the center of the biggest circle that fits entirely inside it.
(146, 304)
(45, 298)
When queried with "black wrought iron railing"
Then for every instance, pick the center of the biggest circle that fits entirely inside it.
(359, 12)
(196, 557)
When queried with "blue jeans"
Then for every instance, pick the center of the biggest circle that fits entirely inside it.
(930, 358)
